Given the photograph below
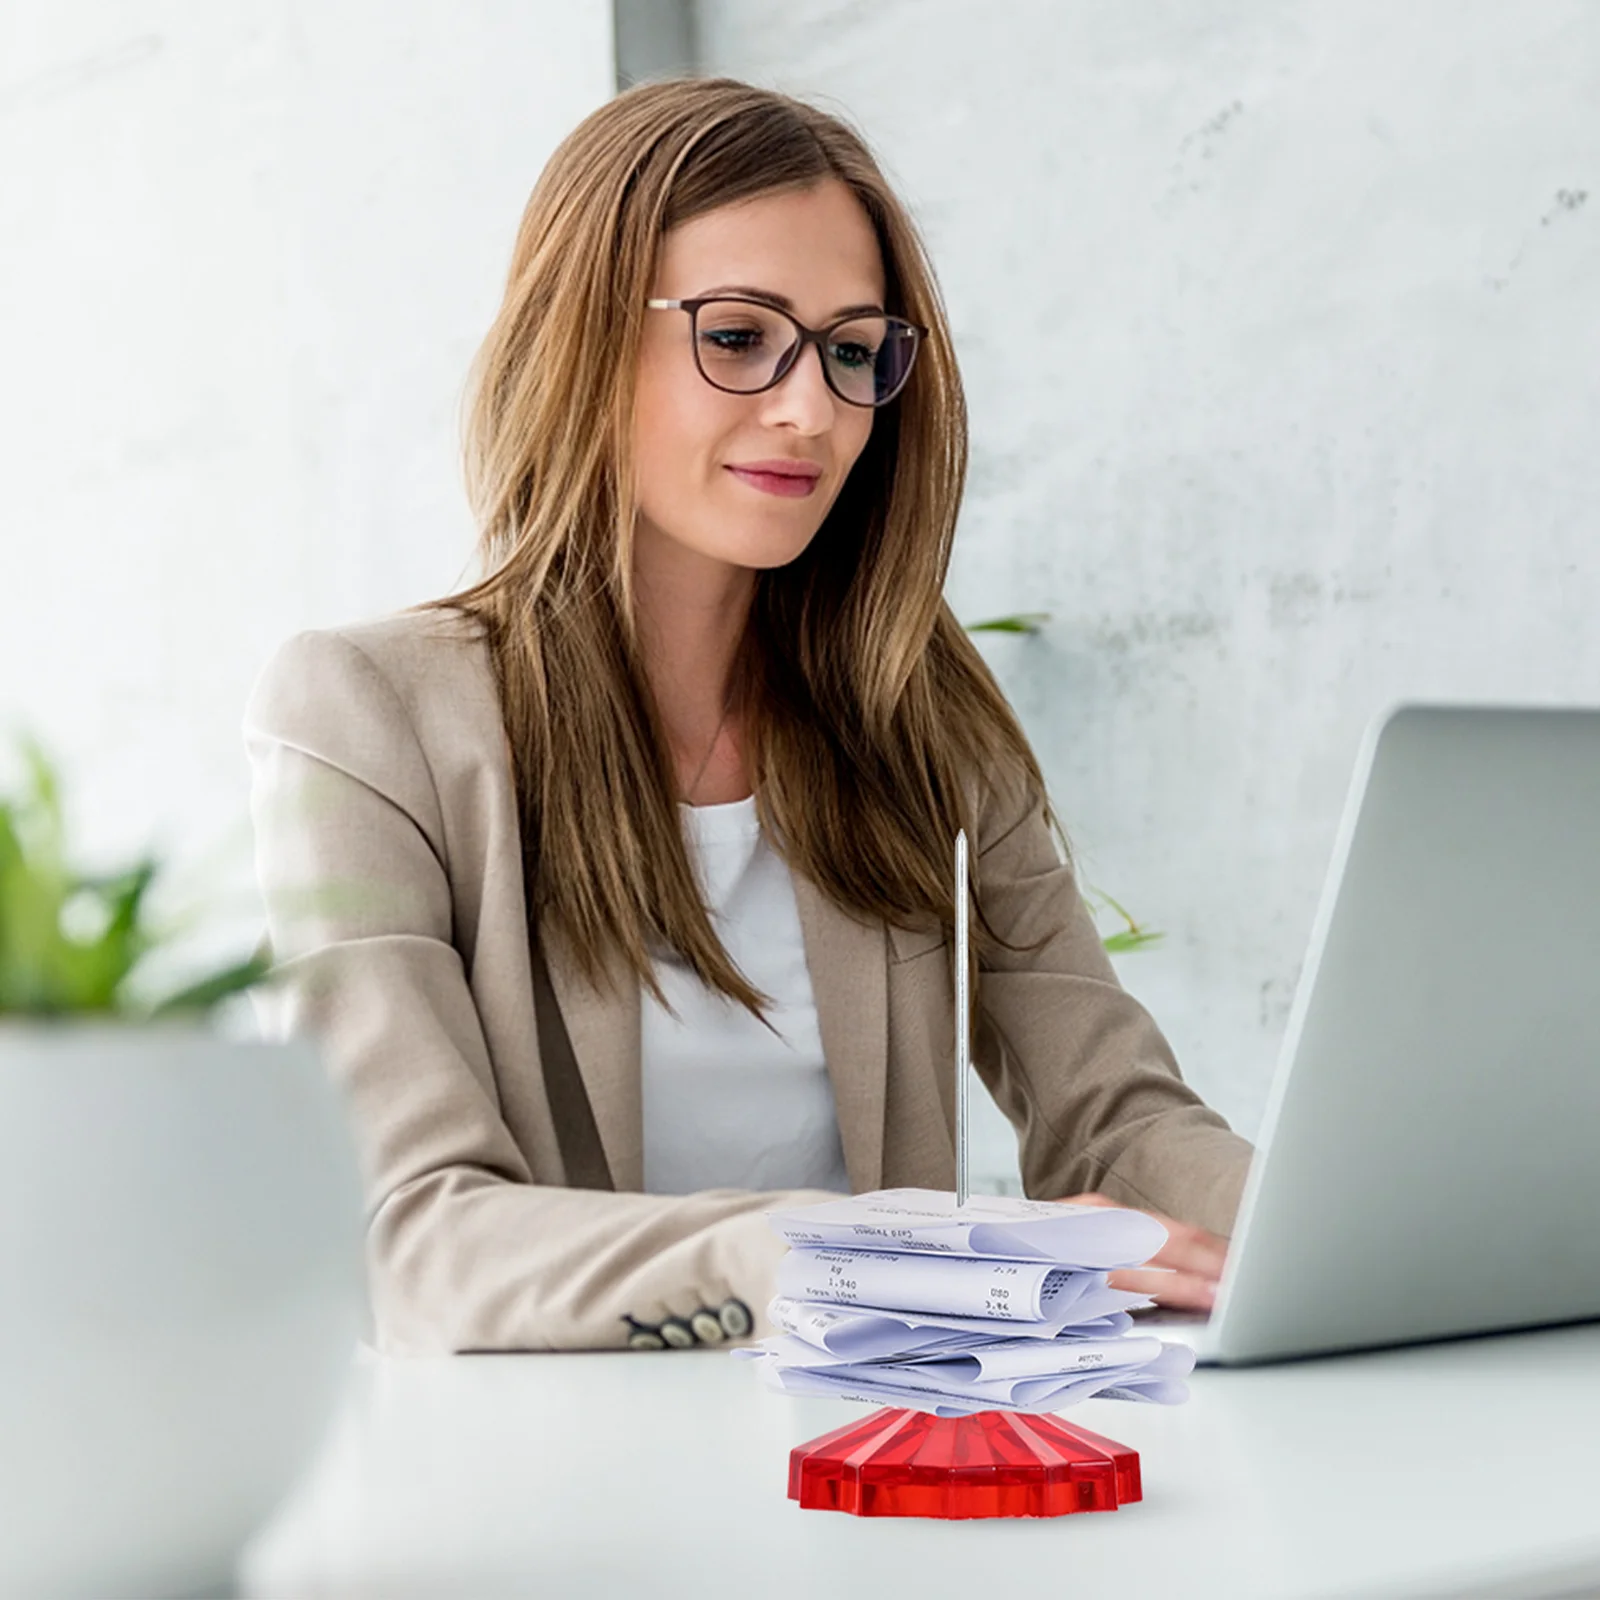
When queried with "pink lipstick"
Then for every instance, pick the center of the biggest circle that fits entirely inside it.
(794, 479)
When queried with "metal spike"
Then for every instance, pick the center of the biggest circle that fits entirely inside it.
(963, 1016)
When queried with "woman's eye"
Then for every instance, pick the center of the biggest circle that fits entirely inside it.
(731, 341)
(854, 355)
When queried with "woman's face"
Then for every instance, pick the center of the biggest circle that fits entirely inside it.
(694, 444)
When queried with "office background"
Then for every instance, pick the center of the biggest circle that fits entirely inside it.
(1280, 324)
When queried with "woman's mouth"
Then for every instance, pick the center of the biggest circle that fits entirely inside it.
(794, 480)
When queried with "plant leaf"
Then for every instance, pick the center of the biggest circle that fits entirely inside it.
(105, 962)
(1022, 622)
(202, 996)
(1130, 937)
(33, 890)
(46, 968)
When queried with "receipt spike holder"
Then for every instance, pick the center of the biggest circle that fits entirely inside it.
(905, 1463)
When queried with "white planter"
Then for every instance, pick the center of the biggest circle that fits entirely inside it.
(180, 1296)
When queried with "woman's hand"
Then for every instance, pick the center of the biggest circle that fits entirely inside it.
(1183, 1273)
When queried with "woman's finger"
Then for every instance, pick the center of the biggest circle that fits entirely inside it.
(1188, 1248)
(1183, 1291)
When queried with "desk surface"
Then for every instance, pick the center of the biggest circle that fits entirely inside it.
(1465, 1469)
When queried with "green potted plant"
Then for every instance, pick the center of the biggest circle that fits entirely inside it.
(180, 1239)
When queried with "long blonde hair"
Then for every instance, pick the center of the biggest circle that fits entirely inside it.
(865, 706)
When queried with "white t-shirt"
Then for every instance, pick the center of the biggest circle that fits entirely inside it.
(726, 1104)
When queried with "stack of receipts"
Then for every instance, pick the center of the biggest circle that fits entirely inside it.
(898, 1298)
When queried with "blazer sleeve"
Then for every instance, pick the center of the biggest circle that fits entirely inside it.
(1075, 1062)
(465, 1250)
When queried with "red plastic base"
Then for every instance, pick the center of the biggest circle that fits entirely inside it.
(899, 1463)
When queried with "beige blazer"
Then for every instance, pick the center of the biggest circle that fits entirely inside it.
(495, 1096)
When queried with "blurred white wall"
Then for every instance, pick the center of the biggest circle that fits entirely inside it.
(1281, 327)
(246, 254)
(1281, 330)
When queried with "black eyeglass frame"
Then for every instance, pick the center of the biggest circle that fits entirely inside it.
(815, 336)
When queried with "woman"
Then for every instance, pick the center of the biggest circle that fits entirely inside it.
(617, 885)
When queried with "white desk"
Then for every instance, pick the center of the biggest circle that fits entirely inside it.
(650, 1477)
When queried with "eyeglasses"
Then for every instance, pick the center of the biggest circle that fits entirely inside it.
(744, 346)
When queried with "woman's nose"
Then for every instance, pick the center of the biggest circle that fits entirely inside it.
(801, 398)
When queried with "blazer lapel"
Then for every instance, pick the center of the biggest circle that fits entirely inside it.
(848, 961)
(603, 1027)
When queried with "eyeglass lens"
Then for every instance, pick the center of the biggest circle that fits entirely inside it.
(741, 346)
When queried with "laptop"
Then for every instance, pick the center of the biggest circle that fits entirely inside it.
(1429, 1159)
